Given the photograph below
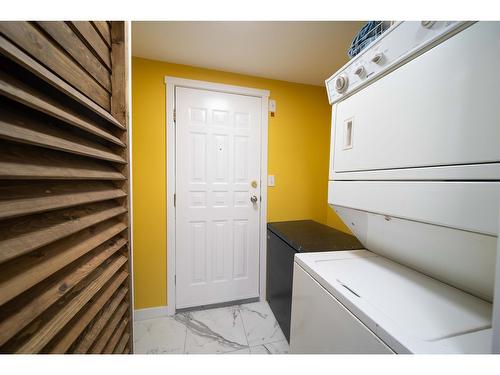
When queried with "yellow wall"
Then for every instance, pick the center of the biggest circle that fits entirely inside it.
(299, 138)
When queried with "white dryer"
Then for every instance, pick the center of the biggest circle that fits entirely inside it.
(414, 173)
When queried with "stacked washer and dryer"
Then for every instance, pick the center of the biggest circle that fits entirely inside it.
(415, 174)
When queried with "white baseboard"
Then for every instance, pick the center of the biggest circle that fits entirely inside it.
(150, 313)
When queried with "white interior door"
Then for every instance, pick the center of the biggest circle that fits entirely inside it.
(217, 177)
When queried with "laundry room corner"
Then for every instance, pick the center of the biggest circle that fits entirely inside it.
(204, 184)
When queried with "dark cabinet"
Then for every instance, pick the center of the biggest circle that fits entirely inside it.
(286, 238)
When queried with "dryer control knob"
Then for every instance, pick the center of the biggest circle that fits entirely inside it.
(427, 24)
(360, 70)
(341, 83)
(377, 57)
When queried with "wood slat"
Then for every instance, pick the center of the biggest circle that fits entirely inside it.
(126, 350)
(20, 162)
(42, 49)
(36, 343)
(122, 343)
(108, 298)
(88, 338)
(115, 337)
(25, 234)
(26, 271)
(24, 128)
(118, 77)
(35, 98)
(73, 45)
(109, 328)
(103, 29)
(119, 103)
(92, 38)
(9, 50)
(36, 301)
(13, 345)
(17, 199)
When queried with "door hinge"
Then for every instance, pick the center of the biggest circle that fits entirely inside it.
(175, 199)
(175, 279)
(175, 115)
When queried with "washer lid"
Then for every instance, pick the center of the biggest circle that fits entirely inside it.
(398, 299)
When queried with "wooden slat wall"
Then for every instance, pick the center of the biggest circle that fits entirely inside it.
(64, 192)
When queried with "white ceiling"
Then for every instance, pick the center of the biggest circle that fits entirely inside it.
(303, 52)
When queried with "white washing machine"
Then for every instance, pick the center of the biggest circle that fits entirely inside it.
(358, 302)
(414, 173)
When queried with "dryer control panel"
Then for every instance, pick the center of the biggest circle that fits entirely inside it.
(401, 42)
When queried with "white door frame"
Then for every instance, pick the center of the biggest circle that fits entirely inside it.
(171, 84)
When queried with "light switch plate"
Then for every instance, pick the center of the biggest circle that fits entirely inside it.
(270, 180)
(272, 105)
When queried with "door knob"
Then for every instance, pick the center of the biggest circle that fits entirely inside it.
(253, 198)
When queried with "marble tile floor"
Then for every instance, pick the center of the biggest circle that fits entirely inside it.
(240, 329)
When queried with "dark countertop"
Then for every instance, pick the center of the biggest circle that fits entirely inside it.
(310, 236)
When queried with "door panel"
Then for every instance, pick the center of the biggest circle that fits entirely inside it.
(217, 226)
(397, 123)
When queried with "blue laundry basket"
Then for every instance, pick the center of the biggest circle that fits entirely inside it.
(368, 33)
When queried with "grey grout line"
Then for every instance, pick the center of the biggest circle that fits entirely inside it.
(243, 324)
(274, 342)
(262, 344)
(232, 351)
(185, 340)
(265, 343)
